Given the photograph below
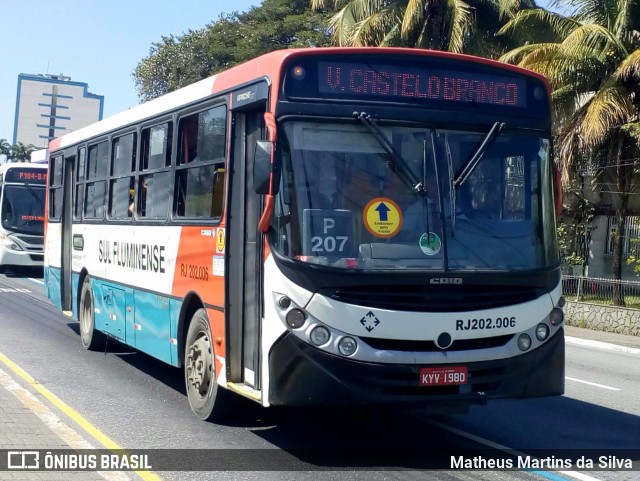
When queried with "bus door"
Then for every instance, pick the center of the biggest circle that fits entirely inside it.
(66, 288)
(244, 243)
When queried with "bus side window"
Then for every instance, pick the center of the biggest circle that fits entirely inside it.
(153, 183)
(152, 194)
(200, 192)
(199, 188)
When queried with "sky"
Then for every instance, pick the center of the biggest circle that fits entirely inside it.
(97, 42)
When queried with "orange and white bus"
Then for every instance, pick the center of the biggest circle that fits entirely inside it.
(352, 226)
(22, 192)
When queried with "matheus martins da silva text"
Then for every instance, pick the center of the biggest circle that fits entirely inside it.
(550, 462)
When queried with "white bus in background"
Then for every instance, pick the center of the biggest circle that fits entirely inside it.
(22, 195)
(39, 156)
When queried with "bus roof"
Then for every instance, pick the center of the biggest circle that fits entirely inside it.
(268, 66)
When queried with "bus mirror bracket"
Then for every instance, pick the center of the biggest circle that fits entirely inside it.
(266, 178)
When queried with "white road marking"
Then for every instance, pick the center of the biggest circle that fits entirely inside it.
(602, 345)
(36, 280)
(592, 383)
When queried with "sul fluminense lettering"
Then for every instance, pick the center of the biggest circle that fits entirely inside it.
(147, 257)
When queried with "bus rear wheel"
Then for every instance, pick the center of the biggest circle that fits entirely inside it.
(207, 401)
(89, 337)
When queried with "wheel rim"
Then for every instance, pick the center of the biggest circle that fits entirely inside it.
(199, 365)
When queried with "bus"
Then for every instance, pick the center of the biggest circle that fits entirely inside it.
(22, 198)
(322, 226)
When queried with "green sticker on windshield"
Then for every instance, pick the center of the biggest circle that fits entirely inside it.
(430, 243)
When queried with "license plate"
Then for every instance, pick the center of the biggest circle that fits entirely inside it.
(443, 376)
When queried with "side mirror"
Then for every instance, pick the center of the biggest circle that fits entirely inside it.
(264, 167)
(557, 190)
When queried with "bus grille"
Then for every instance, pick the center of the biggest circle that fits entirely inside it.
(430, 346)
(432, 298)
(33, 240)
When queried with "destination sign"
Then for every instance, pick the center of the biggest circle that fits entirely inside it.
(31, 176)
(356, 79)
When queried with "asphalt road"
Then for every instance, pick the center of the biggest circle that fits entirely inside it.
(140, 403)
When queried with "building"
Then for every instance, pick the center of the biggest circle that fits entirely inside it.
(48, 106)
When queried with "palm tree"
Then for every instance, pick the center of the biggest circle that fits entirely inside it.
(453, 25)
(5, 147)
(592, 59)
(21, 152)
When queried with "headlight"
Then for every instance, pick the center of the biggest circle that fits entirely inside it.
(556, 316)
(347, 346)
(542, 331)
(296, 318)
(524, 342)
(9, 244)
(320, 335)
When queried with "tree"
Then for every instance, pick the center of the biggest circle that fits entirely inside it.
(592, 59)
(177, 61)
(5, 147)
(453, 25)
(20, 152)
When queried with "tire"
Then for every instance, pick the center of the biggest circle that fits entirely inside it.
(206, 399)
(89, 337)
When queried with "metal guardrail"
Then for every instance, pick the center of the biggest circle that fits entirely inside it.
(600, 290)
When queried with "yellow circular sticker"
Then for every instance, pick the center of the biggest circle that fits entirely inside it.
(382, 217)
(220, 240)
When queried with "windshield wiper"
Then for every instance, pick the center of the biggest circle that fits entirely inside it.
(397, 162)
(475, 159)
(33, 194)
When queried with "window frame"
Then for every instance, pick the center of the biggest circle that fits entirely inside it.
(219, 162)
(116, 175)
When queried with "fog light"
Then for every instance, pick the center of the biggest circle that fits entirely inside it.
(347, 346)
(296, 318)
(556, 316)
(542, 331)
(320, 335)
(524, 342)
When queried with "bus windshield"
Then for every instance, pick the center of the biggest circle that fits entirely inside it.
(343, 202)
(22, 209)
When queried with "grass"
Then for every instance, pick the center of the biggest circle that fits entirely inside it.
(632, 302)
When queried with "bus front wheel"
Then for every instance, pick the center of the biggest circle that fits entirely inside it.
(205, 398)
(89, 337)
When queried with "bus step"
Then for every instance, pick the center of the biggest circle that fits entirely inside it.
(244, 390)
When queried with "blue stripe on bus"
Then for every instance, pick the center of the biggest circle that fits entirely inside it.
(115, 305)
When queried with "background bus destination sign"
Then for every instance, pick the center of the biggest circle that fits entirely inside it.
(32, 176)
(364, 79)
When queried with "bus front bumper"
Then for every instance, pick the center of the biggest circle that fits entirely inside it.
(10, 257)
(301, 375)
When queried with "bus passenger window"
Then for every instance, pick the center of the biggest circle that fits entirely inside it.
(199, 187)
(156, 147)
(200, 192)
(203, 136)
(153, 201)
(120, 198)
